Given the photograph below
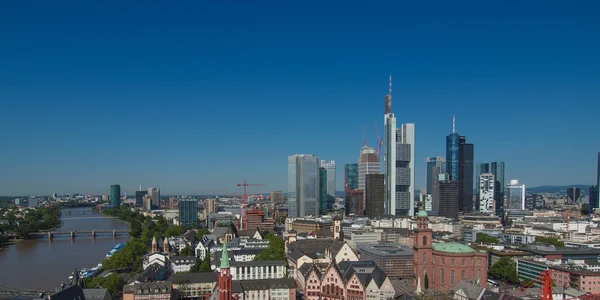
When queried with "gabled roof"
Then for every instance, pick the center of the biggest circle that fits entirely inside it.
(471, 291)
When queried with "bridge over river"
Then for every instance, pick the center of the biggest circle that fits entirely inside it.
(73, 233)
(9, 291)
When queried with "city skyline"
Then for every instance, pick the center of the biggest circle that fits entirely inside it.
(208, 94)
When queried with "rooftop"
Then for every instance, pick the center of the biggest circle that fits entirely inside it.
(452, 247)
(385, 249)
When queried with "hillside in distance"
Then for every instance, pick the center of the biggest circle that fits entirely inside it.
(557, 188)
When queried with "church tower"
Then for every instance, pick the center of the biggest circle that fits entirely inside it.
(154, 245)
(166, 245)
(225, 276)
(422, 248)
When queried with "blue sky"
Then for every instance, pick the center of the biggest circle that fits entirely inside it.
(196, 96)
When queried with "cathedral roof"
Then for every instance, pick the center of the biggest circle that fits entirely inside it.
(452, 248)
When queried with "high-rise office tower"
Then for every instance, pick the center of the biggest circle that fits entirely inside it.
(433, 162)
(515, 196)
(351, 176)
(389, 158)
(453, 153)
(593, 198)
(368, 163)
(323, 176)
(353, 202)
(277, 197)
(497, 168)
(573, 195)
(139, 198)
(435, 187)
(486, 193)
(303, 185)
(595, 204)
(466, 157)
(375, 195)
(115, 195)
(211, 206)
(188, 212)
(449, 192)
(481, 168)
(404, 204)
(154, 193)
(331, 175)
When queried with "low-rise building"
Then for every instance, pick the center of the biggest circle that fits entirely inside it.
(159, 290)
(395, 260)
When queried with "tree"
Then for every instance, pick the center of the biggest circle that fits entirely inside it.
(275, 250)
(483, 238)
(173, 230)
(187, 251)
(549, 241)
(200, 233)
(426, 281)
(136, 228)
(505, 269)
(585, 209)
(202, 266)
(113, 283)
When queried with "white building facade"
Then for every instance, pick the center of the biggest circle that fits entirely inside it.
(486, 193)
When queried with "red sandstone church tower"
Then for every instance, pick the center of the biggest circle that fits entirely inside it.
(422, 248)
(225, 276)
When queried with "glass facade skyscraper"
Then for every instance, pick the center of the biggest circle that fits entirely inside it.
(368, 163)
(331, 176)
(303, 185)
(188, 212)
(497, 168)
(323, 189)
(351, 176)
(465, 173)
(433, 162)
(115, 195)
(405, 171)
(453, 155)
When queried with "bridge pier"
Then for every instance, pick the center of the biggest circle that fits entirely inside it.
(73, 234)
(114, 233)
(93, 233)
(50, 236)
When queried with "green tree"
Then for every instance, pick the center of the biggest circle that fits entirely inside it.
(136, 228)
(542, 240)
(173, 230)
(505, 269)
(585, 209)
(275, 250)
(426, 281)
(113, 283)
(187, 251)
(202, 266)
(200, 233)
(483, 238)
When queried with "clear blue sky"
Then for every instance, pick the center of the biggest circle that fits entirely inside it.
(196, 96)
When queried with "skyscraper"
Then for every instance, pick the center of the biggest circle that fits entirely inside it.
(375, 195)
(433, 162)
(154, 193)
(481, 168)
(368, 163)
(115, 195)
(435, 187)
(351, 176)
(277, 197)
(515, 196)
(573, 195)
(303, 185)
(188, 212)
(389, 158)
(497, 168)
(449, 192)
(139, 198)
(453, 153)
(323, 175)
(353, 202)
(466, 157)
(486, 193)
(331, 175)
(405, 171)
(594, 203)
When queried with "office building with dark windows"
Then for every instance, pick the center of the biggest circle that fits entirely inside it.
(375, 195)
(188, 212)
(323, 189)
(115, 195)
(351, 176)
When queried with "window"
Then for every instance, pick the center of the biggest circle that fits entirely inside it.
(442, 260)
(442, 276)
(478, 273)
(479, 261)
(452, 277)
(463, 274)
(424, 241)
(425, 257)
(452, 262)
(464, 262)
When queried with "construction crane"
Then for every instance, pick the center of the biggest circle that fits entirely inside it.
(378, 137)
(243, 212)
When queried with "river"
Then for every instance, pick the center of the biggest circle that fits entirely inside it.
(43, 264)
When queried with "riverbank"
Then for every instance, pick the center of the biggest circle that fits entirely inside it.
(9, 243)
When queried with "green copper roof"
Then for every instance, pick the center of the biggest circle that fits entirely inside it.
(453, 248)
(422, 214)
(225, 258)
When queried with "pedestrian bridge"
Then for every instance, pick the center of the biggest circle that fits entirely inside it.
(75, 233)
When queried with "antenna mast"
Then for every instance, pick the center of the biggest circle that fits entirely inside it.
(453, 124)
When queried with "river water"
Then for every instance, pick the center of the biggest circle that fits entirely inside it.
(43, 264)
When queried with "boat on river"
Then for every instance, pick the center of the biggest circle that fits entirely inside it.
(114, 250)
